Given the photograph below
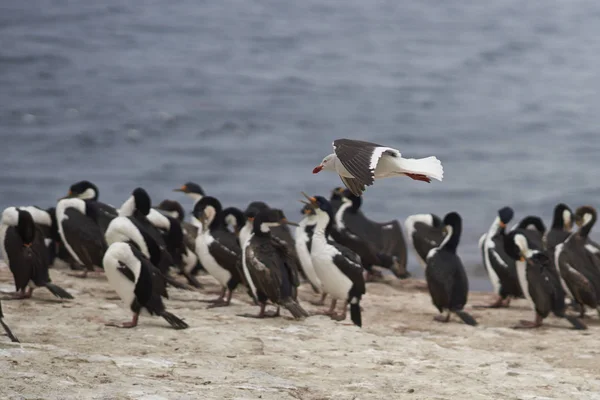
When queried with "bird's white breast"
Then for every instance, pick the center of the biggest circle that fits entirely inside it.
(301, 244)
(245, 265)
(203, 241)
(333, 281)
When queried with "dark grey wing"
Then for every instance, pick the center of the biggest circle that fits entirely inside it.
(228, 253)
(505, 268)
(189, 234)
(150, 286)
(104, 215)
(20, 258)
(290, 259)
(265, 268)
(126, 272)
(579, 286)
(440, 279)
(356, 156)
(554, 237)
(425, 238)
(460, 289)
(354, 185)
(349, 263)
(541, 287)
(85, 237)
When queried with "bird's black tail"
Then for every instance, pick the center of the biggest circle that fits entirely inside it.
(355, 314)
(466, 317)
(294, 308)
(576, 322)
(10, 335)
(174, 321)
(58, 291)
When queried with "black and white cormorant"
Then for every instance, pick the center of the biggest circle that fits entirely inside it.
(139, 284)
(267, 263)
(367, 250)
(134, 227)
(81, 232)
(86, 190)
(339, 269)
(445, 274)
(303, 243)
(425, 232)
(26, 254)
(538, 278)
(360, 163)
(387, 237)
(336, 198)
(501, 268)
(585, 218)
(217, 249)
(579, 268)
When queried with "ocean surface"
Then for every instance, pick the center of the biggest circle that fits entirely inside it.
(245, 98)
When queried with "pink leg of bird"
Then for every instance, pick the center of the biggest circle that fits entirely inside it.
(419, 177)
(128, 324)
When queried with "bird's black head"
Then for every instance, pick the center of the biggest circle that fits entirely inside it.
(453, 228)
(173, 208)
(84, 190)
(336, 194)
(191, 188)
(26, 227)
(208, 210)
(307, 210)
(533, 223)
(268, 218)
(233, 217)
(142, 201)
(510, 244)
(505, 214)
(584, 215)
(563, 217)
(253, 208)
(356, 201)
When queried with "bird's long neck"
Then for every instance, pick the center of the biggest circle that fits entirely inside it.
(450, 242)
(589, 220)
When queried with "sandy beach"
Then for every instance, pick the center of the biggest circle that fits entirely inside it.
(66, 352)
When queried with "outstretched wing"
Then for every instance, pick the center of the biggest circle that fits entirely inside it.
(360, 159)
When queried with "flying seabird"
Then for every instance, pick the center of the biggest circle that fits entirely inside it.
(138, 283)
(538, 278)
(501, 268)
(425, 232)
(445, 274)
(218, 249)
(267, 264)
(359, 163)
(339, 269)
(26, 254)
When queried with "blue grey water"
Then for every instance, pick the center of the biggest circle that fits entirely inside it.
(245, 98)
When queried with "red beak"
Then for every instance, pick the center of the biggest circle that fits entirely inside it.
(317, 169)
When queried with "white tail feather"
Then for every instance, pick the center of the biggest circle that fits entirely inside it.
(429, 166)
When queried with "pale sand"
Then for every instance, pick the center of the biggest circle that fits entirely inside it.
(400, 353)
